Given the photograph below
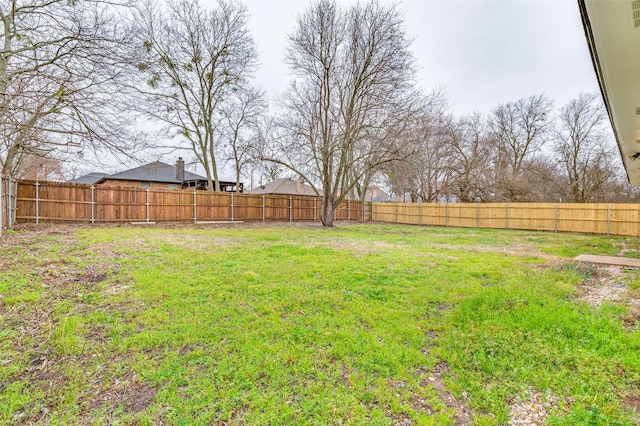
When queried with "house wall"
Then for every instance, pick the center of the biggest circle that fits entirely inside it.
(138, 184)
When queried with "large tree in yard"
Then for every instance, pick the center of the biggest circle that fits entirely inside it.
(352, 91)
(190, 61)
(57, 79)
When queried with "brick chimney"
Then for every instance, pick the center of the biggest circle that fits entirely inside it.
(180, 169)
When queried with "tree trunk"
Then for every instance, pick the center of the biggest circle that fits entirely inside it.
(328, 209)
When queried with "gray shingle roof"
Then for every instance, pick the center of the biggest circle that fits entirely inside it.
(284, 186)
(154, 172)
(89, 178)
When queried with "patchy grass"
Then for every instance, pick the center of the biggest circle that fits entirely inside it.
(363, 324)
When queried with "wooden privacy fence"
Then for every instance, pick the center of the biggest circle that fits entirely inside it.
(58, 201)
(609, 219)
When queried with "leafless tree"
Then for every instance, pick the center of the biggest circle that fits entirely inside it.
(521, 128)
(37, 167)
(57, 71)
(583, 150)
(425, 172)
(241, 119)
(472, 158)
(189, 62)
(353, 87)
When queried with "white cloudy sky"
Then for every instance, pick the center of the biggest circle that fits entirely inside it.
(482, 52)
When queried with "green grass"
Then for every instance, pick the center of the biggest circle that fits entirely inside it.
(303, 325)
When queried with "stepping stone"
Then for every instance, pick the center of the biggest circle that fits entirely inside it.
(609, 260)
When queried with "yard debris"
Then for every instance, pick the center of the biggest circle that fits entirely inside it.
(531, 412)
(606, 284)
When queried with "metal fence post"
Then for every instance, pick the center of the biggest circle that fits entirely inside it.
(263, 207)
(608, 219)
(93, 205)
(232, 207)
(555, 220)
(147, 191)
(290, 209)
(506, 215)
(195, 207)
(37, 203)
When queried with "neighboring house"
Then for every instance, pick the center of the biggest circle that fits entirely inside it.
(377, 195)
(286, 186)
(90, 178)
(155, 175)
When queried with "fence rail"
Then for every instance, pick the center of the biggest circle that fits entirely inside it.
(66, 202)
(609, 219)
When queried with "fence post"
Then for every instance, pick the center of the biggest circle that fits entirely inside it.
(195, 206)
(232, 207)
(348, 209)
(93, 205)
(315, 208)
(608, 219)
(478, 215)
(263, 207)
(506, 215)
(9, 213)
(147, 191)
(446, 214)
(555, 220)
(290, 209)
(37, 203)
(1, 207)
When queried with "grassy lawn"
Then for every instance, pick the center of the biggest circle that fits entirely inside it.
(363, 324)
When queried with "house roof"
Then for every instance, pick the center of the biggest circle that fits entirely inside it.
(285, 186)
(154, 172)
(89, 178)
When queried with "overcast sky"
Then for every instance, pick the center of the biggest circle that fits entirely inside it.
(481, 52)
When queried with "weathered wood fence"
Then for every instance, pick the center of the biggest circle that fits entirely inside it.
(66, 202)
(609, 219)
(8, 197)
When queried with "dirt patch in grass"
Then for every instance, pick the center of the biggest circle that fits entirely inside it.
(633, 403)
(522, 250)
(359, 247)
(133, 396)
(464, 415)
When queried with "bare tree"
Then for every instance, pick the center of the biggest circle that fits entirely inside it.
(191, 61)
(354, 84)
(472, 156)
(37, 167)
(582, 149)
(241, 119)
(57, 72)
(424, 174)
(521, 128)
